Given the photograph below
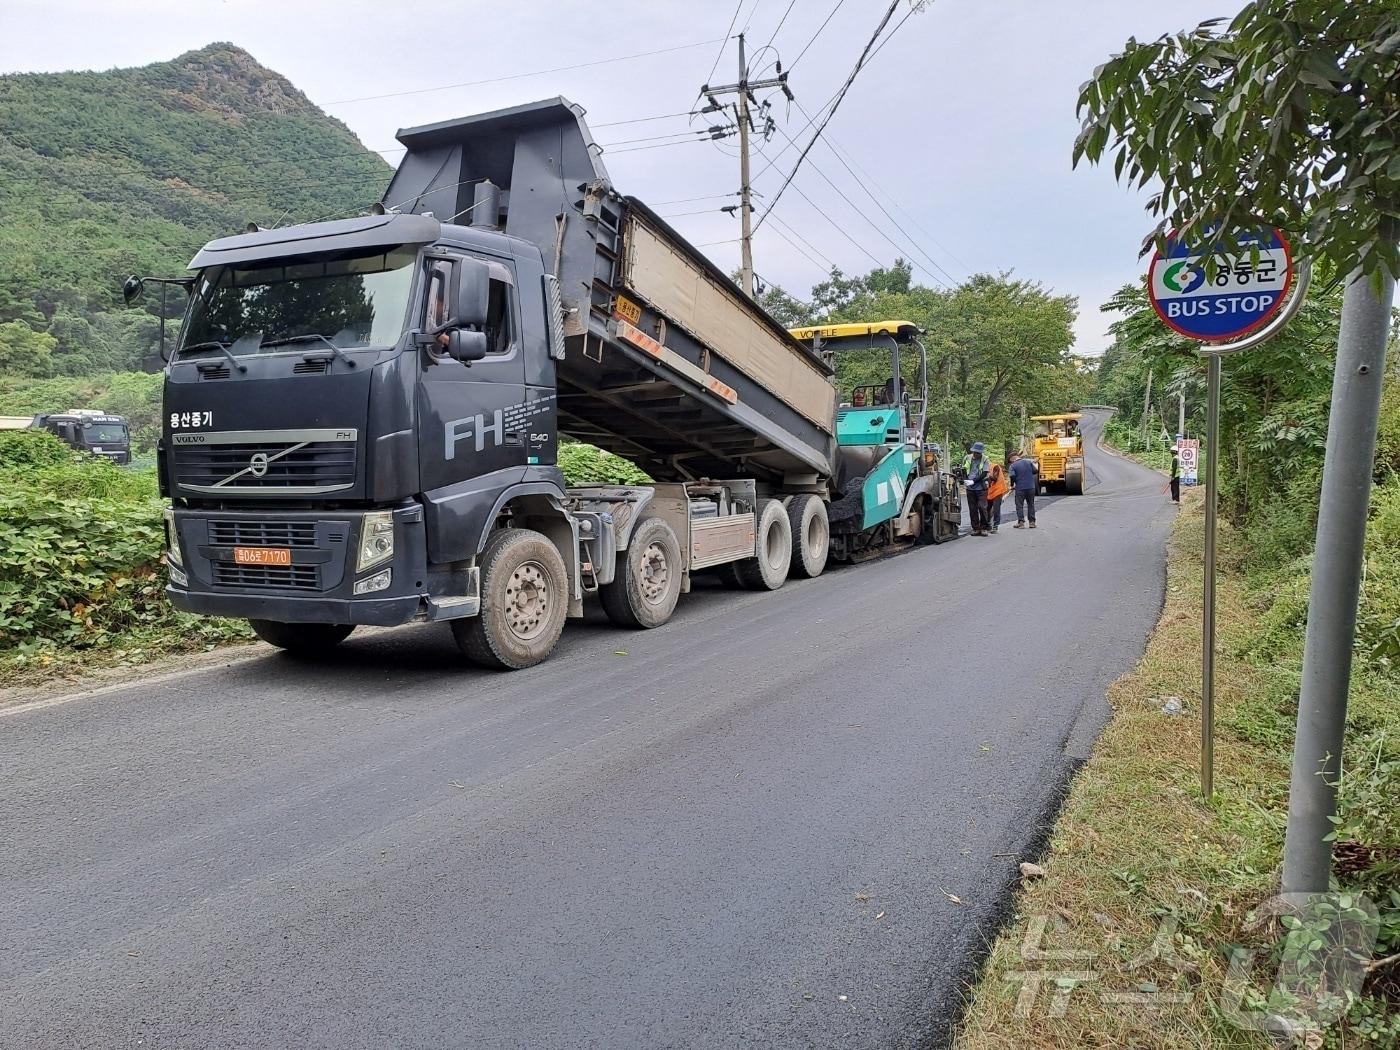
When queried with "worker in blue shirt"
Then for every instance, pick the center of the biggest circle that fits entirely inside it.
(1025, 479)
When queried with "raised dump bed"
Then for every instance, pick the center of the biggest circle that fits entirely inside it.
(667, 363)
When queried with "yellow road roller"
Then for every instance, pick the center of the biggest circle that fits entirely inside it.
(1059, 449)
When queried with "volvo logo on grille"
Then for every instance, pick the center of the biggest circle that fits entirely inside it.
(257, 465)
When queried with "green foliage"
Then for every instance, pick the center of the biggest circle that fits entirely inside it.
(1274, 399)
(25, 352)
(584, 464)
(29, 450)
(80, 557)
(1284, 117)
(996, 344)
(130, 171)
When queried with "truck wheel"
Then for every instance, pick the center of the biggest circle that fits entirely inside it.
(811, 535)
(524, 600)
(648, 582)
(769, 570)
(303, 639)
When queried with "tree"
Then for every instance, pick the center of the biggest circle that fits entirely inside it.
(25, 352)
(1289, 117)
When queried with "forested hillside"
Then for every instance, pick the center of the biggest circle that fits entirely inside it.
(103, 174)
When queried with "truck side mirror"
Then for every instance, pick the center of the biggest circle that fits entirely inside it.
(132, 289)
(473, 293)
(466, 346)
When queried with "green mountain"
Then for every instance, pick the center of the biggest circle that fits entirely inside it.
(104, 174)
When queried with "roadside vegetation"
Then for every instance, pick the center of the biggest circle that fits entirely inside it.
(1155, 883)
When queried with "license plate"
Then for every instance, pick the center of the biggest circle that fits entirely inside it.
(262, 555)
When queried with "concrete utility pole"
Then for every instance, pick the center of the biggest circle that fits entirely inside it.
(1181, 413)
(1336, 583)
(1146, 406)
(743, 90)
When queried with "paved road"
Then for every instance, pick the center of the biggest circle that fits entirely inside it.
(742, 829)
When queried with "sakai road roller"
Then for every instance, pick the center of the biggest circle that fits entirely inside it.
(1058, 448)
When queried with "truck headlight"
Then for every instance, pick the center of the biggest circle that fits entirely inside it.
(376, 539)
(172, 538)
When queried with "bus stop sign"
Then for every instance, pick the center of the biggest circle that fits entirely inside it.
(1254, 272)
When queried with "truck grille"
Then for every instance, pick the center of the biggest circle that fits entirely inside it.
(322, 465)
(266, 577)
(262, 533)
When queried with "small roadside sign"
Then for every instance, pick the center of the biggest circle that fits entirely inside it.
(1189, 452)
(1253, 274)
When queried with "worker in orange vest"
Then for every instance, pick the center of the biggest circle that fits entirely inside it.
(997, 487)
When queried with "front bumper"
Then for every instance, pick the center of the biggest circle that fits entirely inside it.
(318, 585)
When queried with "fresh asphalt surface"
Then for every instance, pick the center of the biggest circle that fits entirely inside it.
(747, 828)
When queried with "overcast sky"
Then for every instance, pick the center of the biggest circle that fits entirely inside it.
(962, 125)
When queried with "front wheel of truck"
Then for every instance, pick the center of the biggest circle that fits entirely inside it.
(302, 639)
(524, 600)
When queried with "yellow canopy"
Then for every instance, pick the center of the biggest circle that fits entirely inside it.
(1061, 415)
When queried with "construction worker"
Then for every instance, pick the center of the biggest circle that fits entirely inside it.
(976, 471)
(997, 487)
(1025, 475)
(1176, 476)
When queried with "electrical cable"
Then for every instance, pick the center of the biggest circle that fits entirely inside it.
(728, 35)
(818, 33)
(777, 29)
(831, 111)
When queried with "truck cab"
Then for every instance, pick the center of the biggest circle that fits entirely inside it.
(97, 433)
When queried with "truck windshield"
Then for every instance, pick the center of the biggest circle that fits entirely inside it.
(349, 303)
(104, 434)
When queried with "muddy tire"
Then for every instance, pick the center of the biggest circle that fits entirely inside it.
(302, 639)
(524, 600)
(811, 535)
(769, 570)
(647, 586)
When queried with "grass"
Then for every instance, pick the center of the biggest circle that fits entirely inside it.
(1148, 881)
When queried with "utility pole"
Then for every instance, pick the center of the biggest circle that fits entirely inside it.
(743, 90)
(1146, 407)
(1181, 413)
(1336, 582)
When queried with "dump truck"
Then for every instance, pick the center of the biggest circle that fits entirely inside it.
(892, 484)
(87, 430)
(1058, 448)
(362, 416)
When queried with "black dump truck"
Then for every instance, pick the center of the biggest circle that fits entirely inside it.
(361, 421)
(85, 429)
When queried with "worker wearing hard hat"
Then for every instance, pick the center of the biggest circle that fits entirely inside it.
(976, 472)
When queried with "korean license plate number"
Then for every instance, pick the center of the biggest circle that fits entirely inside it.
(262, 555)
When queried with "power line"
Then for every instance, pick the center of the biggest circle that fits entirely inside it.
(838, 228)
(728, 36)
(913, 242)
(818, 33)
(691, 200)
(778, 28)
(831, 110)
(536, 72)
(799, 250)
(814, 249)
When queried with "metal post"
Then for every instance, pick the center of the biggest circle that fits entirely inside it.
(1208, 627)
(745, 202)
(1336, 583)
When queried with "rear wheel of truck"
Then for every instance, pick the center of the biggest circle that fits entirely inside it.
(769, 570)
(302, 639)
(811, 535)
(647, 585)
(524, 600)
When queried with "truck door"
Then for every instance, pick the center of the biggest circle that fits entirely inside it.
(471, 417)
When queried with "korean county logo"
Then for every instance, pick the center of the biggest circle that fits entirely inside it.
(1183, 284)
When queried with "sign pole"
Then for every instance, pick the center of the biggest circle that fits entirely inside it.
(1244, 302)
(1208, 628)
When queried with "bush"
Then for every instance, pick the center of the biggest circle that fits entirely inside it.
(81, 545)
(586, 465)
(28, 450)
